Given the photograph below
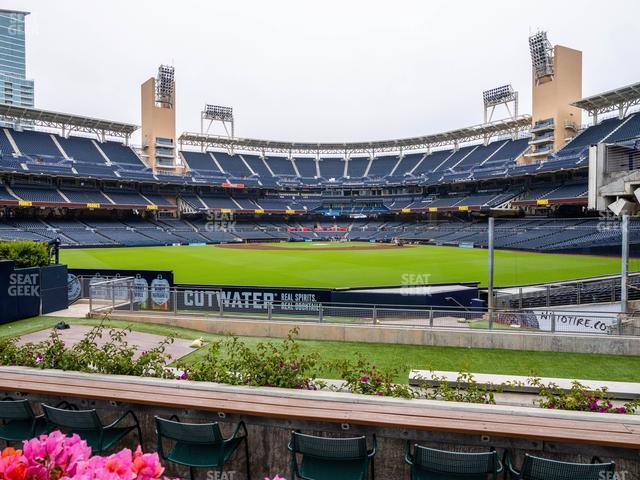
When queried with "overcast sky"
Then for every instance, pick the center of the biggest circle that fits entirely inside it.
(328, 70)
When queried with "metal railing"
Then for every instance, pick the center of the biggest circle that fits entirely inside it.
(121, 295)
(567, 293)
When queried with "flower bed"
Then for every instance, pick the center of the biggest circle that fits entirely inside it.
(278, 364)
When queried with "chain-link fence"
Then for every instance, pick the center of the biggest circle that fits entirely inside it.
(122, 295)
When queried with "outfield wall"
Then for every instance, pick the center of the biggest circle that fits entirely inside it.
(442, 337)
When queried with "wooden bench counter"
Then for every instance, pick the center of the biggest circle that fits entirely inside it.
(606, 430)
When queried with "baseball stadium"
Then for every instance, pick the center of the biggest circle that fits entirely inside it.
(452, 305)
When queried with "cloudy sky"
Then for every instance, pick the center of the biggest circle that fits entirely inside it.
(327, 70)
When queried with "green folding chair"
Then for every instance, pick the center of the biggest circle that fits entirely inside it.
(19, 422)
(536, 468)
(325, 458)
(87, 424)
(200, 445)
(430, 463)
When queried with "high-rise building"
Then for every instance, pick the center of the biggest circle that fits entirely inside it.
(15, 88)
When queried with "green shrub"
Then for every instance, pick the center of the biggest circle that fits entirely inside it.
(115, 356)
(466, 389)
(579, 398)
(270, 364)
(25, 253)
(362, 377)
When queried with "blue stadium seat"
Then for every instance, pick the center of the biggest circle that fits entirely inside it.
(280, 166)
(81, 149)
(121, 154)
(233, 165)
(331, 168)
(31, 142)
(357, 167)
(306, 167)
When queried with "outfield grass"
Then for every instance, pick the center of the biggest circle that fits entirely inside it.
(343, 268)
(405, 357)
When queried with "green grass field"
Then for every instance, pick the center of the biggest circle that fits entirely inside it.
(585, 366)
(339, 267)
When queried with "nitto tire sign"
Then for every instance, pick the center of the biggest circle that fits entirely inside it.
(560, 321)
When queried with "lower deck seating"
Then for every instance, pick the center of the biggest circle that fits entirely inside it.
(532, 233)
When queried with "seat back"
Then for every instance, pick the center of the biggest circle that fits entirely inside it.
(16, 410)
(536, 468)
(72, 419)
(329, 448)
(458, 465)
(195, 433)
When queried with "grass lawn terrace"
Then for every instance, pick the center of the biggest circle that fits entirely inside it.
(401, 357)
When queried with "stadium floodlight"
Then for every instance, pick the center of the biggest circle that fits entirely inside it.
(165, 85)
(216, 112)
(502, 95)
(498, 95)
(541, 55)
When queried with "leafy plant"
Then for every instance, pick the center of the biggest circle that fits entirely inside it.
(270, 364)
(362, 377)
(580, 398)
(115, 356)
(25, 253)
(466, 389)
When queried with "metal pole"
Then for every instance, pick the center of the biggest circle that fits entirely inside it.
(548, 295)
(624, 301)
(175, 301)
(490, 279)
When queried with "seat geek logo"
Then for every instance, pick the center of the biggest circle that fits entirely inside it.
(24, 285)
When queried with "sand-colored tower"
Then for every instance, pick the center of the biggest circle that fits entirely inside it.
(557, 82)
(158, 96)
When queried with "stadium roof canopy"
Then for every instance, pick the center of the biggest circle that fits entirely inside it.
(618, 99)
(462, 135)
(65, 121)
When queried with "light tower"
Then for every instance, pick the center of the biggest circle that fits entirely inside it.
(504, 95)
(159, 121)
(556, 84)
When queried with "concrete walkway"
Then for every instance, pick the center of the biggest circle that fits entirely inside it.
(144, 341)
(77, 310)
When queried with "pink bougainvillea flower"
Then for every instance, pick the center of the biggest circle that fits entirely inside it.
(13, 465)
